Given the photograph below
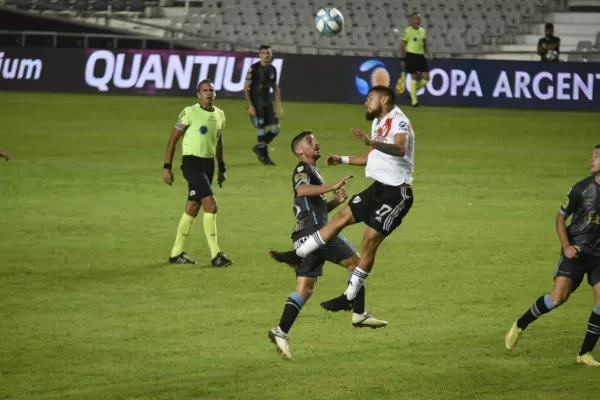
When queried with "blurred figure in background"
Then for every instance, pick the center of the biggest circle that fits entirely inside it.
(549, 46)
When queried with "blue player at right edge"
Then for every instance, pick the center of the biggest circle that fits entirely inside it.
(580, 256)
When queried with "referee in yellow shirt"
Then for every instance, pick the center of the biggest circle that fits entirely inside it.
(201, 126)
(413, 50)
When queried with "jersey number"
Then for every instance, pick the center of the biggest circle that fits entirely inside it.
(384, 210)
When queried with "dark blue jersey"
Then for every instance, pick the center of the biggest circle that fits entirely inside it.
(310, 211)
(583, 202)
(262, 79)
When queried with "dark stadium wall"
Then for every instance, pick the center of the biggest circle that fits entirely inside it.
(339, 79)
(13, 20)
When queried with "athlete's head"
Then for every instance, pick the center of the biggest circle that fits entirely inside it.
(595, 161)
(265, 53)
(380, 101)
(415, 20)
(206, 93)
(306, 146)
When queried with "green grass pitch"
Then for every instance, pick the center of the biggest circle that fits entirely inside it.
(90, 310)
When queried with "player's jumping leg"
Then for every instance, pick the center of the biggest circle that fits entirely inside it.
(371, 241)
(593, 333)
(413, 89)
(219, 259)
(178, 256)
(360, 317)
(293, 305)
(317, 239)
(560, 293)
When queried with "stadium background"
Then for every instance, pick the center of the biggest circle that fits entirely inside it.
(89, 310)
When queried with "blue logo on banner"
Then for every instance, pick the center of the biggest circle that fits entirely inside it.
(371, 73)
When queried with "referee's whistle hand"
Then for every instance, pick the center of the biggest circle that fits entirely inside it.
(222, 178)
(168, 176)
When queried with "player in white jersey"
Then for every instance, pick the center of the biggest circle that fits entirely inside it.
(384, 204)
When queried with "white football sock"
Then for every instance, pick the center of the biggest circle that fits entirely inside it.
(356, 282)
(313, 242)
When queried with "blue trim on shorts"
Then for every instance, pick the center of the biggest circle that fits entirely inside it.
(562, 256)
(348, 243)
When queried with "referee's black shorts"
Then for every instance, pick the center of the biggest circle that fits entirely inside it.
(199, 173)
(416, 63)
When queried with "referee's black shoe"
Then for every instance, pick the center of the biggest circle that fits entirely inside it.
(288, 257)
(221, 260)
(181, 259)
(340, 303)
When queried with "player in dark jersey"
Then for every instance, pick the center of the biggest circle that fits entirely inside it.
(260, 80)
(311, 208)
(580, 255)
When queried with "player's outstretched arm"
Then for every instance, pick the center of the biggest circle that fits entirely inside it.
(167, 172)
(307, 190)
(335, 159)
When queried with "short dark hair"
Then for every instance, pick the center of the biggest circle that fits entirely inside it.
(203, 82)
(598, 146)
(298, 138)
(264, 46)
(549, 25)
(386, 91)
(415, 13)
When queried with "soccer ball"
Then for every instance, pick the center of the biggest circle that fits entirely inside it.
(329, 21)
(551, 55)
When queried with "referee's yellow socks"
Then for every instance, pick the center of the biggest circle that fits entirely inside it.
(183, 230)
(210, 230)
(413, 91)
(421, 83)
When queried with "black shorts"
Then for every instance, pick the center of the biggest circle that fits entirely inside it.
(416, 63)
(334, 251)
(382, 207)
(265, 116)
(577, 268)
(198, 172)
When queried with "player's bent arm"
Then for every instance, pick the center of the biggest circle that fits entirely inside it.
(360, 161)
(561, 230)
(540, 49)
(176, 134)
(397, 149)
(307, 190)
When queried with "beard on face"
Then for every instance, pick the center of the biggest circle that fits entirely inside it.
(370, 116)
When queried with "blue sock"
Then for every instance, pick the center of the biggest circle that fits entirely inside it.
(271, 134)
(292, 308)
(542, 306)
(593, 332)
